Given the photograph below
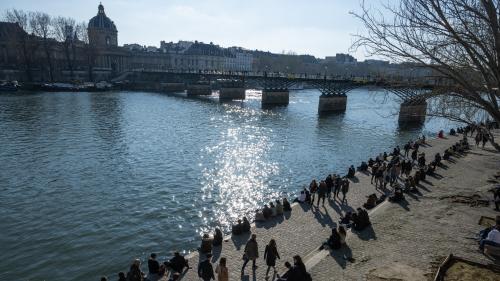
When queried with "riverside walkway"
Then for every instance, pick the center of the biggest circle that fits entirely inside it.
(303, 230)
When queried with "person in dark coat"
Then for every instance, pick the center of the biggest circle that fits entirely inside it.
(153, 266)
(298, 271)
(206, 270)
(334, 240)
(218, 237)
(178, 263)
(246, 225)
(286, 205)
(135, 273)
(286, 275)
(251, 252)
(270, 256)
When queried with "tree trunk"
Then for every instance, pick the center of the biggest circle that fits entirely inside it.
(491, 138)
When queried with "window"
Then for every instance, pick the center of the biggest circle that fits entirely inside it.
(108, 41)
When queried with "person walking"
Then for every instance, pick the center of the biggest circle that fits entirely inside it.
(313, 188)
(337, 184)
(222, 271)
(322, 192)
(345, 188)
(329, 186)
(251, 253)
(206, 270)
(270, 256)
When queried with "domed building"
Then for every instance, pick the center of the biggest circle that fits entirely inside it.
(102, 30)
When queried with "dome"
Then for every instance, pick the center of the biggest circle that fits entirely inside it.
(101, 20)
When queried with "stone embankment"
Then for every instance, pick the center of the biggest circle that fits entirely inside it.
(405, 240)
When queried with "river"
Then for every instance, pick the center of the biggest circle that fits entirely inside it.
(90, 181)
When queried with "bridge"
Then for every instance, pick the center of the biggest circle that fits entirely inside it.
(276, 86)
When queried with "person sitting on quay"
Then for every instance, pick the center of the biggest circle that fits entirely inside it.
(279, 208)
(121, 276)
(351, 172)
(135, 273)
(308, 195)
(177, 263)
(447, 154)
(273, 209)
(153, 268)
(342, 234)
(453, 132)
(299, 271)
(361, 220)
(334, 240)
(301, 198)
(206, 243)
(441, 134)
(287, 273)
(246, 225)
(492, 238)
(218, 237)
(267, 212)
(397, 195)
(363, 167)
(346, 220)
(431, 168)
(371, 202)
(437, 159)
(385, 156)
(206, 270)
(237, 228)
(286, 205)
(259, 215)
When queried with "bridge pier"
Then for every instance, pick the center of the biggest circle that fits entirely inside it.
(412, 112)
(272, 97)
(173, 87)
(332, 103)
(199, 90)
(232, 93)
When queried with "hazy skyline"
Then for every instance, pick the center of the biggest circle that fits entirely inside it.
(322, 28)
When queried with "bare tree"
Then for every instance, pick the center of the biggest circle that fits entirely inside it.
(65, 32)
(88, 49)
(26, 43)
(42, 27)
(458, 39)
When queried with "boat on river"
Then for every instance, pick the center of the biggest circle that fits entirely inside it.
(9, 86)
(70, 87)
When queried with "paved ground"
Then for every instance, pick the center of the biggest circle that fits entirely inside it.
(302, 232)
(407, 241)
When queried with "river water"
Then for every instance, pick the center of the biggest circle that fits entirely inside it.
(88, 181)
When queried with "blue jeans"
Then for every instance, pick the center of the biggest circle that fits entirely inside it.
(487, 242)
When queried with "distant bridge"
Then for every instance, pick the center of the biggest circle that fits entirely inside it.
(275, 87)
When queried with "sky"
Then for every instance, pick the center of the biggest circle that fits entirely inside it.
(316, 27)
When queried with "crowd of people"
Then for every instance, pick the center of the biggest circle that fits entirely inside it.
(402, 170)
(274, 209)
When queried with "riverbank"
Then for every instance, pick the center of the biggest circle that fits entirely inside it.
(304, 230)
